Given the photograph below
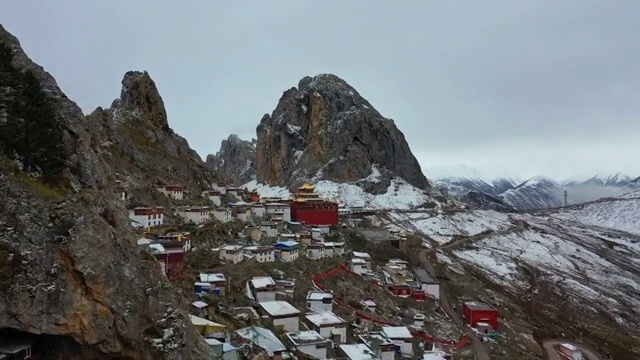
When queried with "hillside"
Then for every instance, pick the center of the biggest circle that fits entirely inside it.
(68, 267)
(235, 161)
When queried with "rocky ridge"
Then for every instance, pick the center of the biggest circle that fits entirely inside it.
(69, 270)
(235, 162)
(323, 129)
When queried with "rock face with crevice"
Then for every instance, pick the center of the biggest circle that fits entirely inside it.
(69, 268)
(324, 129)
(235, 162)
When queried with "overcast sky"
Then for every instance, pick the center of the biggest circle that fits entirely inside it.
(508, 87)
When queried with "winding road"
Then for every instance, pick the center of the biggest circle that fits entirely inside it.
(549, 346)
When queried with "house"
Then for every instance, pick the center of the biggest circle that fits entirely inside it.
(269, 229)
(224, 350)
(333, 249)
(16, 347)
(357, 352)
(222, 214)
(315, 251)
(217, 282)
(176, 192)
(208, 328)
(329, 325)
(253, 232)
(237, 192)
(241, 211)
(214, 196)
(476, 312)
(427, 282)
(257, 210)
(364, 256)
(370, 305)
(147, 216)
(310, 343)
(175, 245)
(287, 250)
(304, 237)
(384, 236)
(319, 301)
(401, 336)
(278, 209)
(157, 250)
(195, 214)
(570, 351)
(282, 314)
(254, 197)
(220, 186)
(264, 339)
(286, 286)
(317, 234)
(379, 344)
(403, 290)
(231, 253)
(261, 288)
(200, 307)
(261, 253)
(358, 266)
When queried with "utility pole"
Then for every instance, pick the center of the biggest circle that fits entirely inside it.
(565, 198)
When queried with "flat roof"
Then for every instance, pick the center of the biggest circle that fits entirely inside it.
(475, 305)
(358, 352)
(397, 332)
(209, 278)
(318, 295)
(306, 338)
(366, 338)
(361, 255)
(325, 318)
(13, 346)
(570, 346)
(263, 338)
(423, 276)
(231, 247)
(262, 282)
(279, 308)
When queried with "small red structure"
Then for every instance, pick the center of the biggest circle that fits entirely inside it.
(400, 290)
(254, 197)
(419, 295)
(476, 312)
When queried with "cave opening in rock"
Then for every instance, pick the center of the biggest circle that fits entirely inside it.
(15, 344)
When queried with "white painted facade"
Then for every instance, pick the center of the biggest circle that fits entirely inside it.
(281, 209)
(147, 217)
(317, 234)
(289, 255)
(283, 314)
(232, 253)
(401, 336)
(328, 325)
(358, 266)
(262, 254)
(310, 343)
(221, 187)
(320, 301)
(269, 229)
(257, 210)
(214, 196)
(173, 191)
(222, 215)
(197, 215)
(263, 288)
(315, 252)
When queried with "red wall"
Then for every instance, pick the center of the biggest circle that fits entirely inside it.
(316, 217)
(476, 316)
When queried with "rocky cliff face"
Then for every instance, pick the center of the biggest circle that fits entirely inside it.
(324, 129)
(235, 162)
(69, 271)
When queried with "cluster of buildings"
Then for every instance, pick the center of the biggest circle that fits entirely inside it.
(305, 207)
(315, 329)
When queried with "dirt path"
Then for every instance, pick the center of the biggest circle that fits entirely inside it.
(551, 353)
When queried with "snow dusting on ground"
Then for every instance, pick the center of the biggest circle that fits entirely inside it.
(442, 227)
(266, 190)
(621, 214)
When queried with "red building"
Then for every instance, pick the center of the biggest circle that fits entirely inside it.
(476, 312)
(400, 290)
(418, 295)
(254, 197)
(309, 208)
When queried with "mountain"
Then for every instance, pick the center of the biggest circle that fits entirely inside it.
(323, 129)
(69, 270)
(536, 193)
(235, 162)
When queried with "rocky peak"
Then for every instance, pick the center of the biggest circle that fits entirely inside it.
(324, 129)
(69, 270)
(235, 161)
(140, 94)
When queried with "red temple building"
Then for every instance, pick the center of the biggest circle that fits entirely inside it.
(307, 207)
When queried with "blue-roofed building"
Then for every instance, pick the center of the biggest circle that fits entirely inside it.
(287, 250)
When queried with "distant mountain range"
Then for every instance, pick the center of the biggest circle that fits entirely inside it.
(538, 192)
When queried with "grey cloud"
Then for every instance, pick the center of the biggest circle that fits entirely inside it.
(512, 85)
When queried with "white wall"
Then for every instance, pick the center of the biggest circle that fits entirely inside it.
(315, 352)
(319, 306)
(265, 257)
(257, 211)
(291, 324)
(222, 215)
(315, 254)
(145, 221)
(326, 333)
(264, 296)
(289, 255)
(432, 290)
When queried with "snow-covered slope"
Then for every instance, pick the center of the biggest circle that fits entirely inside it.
(399, 195)
(621, 213)
(536, 193)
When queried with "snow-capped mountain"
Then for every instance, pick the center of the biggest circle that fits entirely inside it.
(538, 192)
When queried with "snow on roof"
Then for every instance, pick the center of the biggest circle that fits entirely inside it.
(143, 241)
(433, 355)
(358, 352)
(306, 338)
(474, 305)
(263, 338)
(361, 255)
(199, 304)
(279, 308)
(157, 249)
(318, 295)
(325, 318)
(397, 332)
(209, 278)
(198, 321)
(259, 282)
(366, 338)
(358, 261)
(570, 346)
(369, 303)
(231, 247)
